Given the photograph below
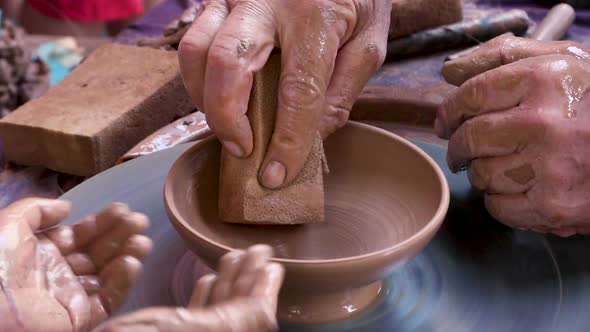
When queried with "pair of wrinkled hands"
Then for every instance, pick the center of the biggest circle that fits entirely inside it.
(72, 278)
(518, 123)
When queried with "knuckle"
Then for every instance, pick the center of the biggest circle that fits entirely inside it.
(299, 92)
(194, 44)
(347, 5)
(341, 118)
(375, 53)
(290, 140)
(503, 44)
(339, 103)
(287, 139)
(341, 15)
(502, 40)
(505, 50)
(355, 15)
(226, 50)
(335, 118)
(340, 113)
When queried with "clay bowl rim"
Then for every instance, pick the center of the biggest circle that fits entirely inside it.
(431, 226)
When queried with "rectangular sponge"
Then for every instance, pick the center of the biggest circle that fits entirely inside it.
(241, 198)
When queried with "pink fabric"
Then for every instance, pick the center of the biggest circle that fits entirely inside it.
(88, 10)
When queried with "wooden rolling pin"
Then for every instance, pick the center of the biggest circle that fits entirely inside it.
(553, 27)
(460, 34)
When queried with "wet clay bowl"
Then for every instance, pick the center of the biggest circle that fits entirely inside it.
(385, 200)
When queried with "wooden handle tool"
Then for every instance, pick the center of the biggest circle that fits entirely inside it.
(556, 24)
(553, 27)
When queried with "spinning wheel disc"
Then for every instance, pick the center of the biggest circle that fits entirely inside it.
(476, 275)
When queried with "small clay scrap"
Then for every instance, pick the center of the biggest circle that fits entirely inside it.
(241, 197)
(22, 78)
(117, 96)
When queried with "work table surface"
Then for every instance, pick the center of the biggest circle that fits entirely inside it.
(17, 182)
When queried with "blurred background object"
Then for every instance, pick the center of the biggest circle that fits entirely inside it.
(22, 76)
(76, 17)
(62, 56)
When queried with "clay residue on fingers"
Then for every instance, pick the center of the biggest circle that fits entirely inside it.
(245, 47)
(521, 174)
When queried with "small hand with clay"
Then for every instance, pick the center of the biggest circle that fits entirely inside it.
(66, 278)
(520, 125)
(329, 50)
(241, 298)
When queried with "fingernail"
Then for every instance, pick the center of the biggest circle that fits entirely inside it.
(273, 175)
(233, 148)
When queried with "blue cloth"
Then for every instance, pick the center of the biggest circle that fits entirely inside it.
(57, 71)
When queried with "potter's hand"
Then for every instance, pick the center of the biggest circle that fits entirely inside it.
(330, 49)
(66, 278)
(522, 130)
(241, 298)
(503, 50)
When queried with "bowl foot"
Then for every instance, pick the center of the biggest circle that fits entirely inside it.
(327, 307)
